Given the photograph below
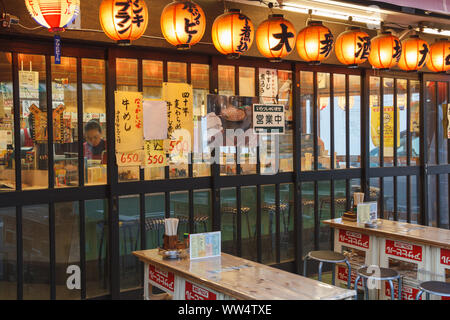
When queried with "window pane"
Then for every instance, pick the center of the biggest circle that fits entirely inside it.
(388, 121)
(152, 79)
(129, 241)
(94, 113)
(307, 105)
(226, 80)
(268, 227)
(307, 190)
(154, 220)
(323, 102)
(228, 213)
(202, 211)
(324, 214)
(355, 121)
(176, 72)
(8, 254)
(200, 84)
(7, 165)
(246, 82)
(97, 261)
(415, 122)
(340, 141)
(287, 251)
(442, 100)
(248, 223)
(340, 198)
(36, 252)
(179, 208)
(65, 136)
(152, 72)
(286, 140)
(402, 121)
(374, 102)
(127, 80)
(67, 248)
(33, 124)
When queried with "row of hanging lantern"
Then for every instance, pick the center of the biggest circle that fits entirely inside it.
(183, 25)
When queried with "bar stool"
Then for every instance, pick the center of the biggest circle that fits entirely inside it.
(385, 275)
(437, 288)
(329, 257)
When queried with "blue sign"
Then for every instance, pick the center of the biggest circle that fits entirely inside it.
(57, 49)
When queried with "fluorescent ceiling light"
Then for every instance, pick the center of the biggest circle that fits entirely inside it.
(334, 14)
(445, 33)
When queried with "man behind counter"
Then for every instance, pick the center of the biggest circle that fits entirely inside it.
(95, 145)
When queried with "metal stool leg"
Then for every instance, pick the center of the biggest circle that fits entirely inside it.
(391, 285)
(419, 294)
(320, 271)
(349, 280)
(366, 289)
(356, 285)
(305, 261)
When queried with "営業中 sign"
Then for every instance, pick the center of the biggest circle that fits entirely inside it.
(268, 118)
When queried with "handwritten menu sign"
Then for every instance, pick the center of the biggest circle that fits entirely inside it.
(388, 126)
(268, 118)
(268, 82)
(204, 245)
(179, 108)
(129, 159)
(155, 154)
(128, 121)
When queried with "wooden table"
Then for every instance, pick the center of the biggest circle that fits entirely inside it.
(419, 253)
(398, 230)
(229, 277)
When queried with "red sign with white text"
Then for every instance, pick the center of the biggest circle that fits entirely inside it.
(194, 292)
(408, 293)
(403, 250)
(354, 238)
(343, 275)
(445, 257)
(163, 278)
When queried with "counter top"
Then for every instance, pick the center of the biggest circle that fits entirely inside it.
(396, 230)
(245, 279)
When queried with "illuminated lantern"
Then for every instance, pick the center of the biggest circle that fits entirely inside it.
(315, 42)
(414, 54)
(439, 60)
(385, 51)
(352, 47)
(123, 21)
(183, 23)
(232, 33)
(54, 15)
(275, 37)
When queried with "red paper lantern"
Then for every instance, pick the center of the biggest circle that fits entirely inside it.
(54, 15)
(352, 47)
(385, 51)
(183, 23)
(123, 21)
(439, 60)
(315, 42)
(232, 33)
(275, 37)
(414, 54)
